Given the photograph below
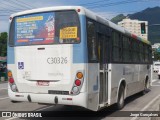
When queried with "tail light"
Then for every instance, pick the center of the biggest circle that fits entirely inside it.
(12, 84)
(11, 80)
(77, 83)
(79, 75)
(75, 90)
(9, 74)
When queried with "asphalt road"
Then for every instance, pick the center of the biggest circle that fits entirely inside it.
(148, 102)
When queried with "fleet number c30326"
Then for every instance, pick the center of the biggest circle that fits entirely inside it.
(57, 60)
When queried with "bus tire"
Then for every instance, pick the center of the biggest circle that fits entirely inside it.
(158, 76)
(120, 101)
(146, 87)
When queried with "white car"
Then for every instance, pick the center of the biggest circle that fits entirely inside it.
(156, 66)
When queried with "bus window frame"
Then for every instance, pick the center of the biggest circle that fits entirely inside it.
(95, 37)
(13, 25)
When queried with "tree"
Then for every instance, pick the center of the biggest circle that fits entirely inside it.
(3, 44)
(156, 55)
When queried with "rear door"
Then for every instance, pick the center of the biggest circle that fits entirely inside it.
(104, 56)
(103, 51)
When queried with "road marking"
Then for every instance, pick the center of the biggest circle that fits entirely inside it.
(4, 98)
(44, 108)
(143, 109)
(11, 118)
(154, 80)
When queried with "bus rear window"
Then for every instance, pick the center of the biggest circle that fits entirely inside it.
(60, 27)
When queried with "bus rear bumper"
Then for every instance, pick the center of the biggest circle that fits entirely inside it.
(78, 100)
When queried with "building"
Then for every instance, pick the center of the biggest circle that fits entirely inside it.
(140, 28)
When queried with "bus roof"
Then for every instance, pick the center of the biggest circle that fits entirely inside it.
(86, 12)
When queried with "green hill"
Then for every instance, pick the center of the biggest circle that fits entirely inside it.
(152, 15)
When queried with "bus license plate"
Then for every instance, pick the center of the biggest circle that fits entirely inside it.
(43, 83)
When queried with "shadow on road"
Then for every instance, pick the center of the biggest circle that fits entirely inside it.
(75, 113)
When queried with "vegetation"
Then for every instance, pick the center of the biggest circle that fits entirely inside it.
(156, 55)
(3, 44)
(118, 18)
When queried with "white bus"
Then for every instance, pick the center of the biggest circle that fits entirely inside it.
(68, 55)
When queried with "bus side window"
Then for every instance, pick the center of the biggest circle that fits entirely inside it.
(91, 42)
(126, 50)
(116, 47)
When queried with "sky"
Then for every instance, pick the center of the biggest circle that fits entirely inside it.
(105, 8)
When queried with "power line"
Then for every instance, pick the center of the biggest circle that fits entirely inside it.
(32, 6)
(118, 3)
(26, 4)
(7, 4)
(11, 6)
(19, 4)
(114, 3)
(3, 7)
(3, 15)
(92, 3)
(10, 11)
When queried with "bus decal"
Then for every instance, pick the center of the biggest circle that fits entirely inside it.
(57, 60)
(35, 29)
(68, 32)
(20, 65)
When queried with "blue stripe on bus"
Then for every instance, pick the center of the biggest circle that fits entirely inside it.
(10, 55)
(80, 50)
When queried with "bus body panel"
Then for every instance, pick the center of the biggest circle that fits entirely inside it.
(36, 68)
(93, 86)
(78, 100)
(39, 65)
(134, 76)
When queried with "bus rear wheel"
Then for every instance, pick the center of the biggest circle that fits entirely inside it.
(120, 101)
(146, 87)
